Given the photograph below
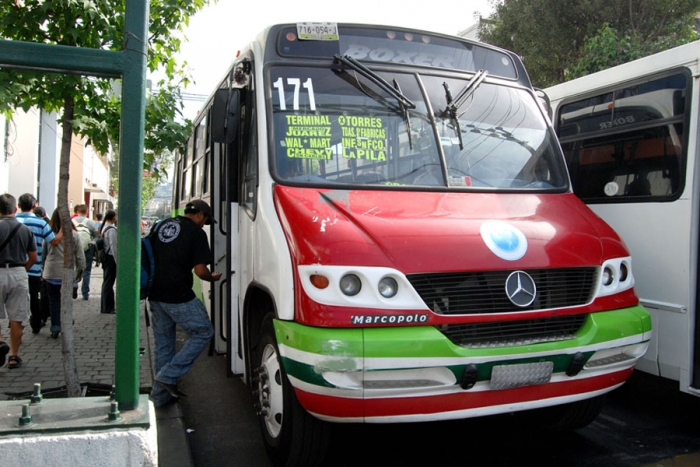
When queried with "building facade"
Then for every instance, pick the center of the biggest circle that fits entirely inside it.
(31, 148)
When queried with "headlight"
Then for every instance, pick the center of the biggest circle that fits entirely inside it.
(608, 277)
(350, 285)
(616, 276)
(360, 287)
(624, 271)
(388, 287)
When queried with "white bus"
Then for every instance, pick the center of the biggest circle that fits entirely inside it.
(400, 240)
(629, 135)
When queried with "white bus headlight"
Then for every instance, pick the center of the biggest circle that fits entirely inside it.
(615, 277)
(624, 271)
(350, 285)
(388, 287)
(608, 277)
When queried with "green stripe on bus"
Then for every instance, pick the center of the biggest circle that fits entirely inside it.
(428, 342)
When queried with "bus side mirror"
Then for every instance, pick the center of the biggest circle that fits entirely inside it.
(225, 114)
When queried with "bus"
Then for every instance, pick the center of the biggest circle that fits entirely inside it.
(399, 239)
(629, 136)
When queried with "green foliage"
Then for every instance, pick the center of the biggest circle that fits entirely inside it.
(100, 24)
(560, 39)
(609, 48)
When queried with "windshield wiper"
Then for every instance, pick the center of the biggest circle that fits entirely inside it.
(453, 105)
(395, 91)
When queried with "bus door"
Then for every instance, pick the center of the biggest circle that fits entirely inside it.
(200, 163)
(246, 244)
(220, 236)
(232, 243)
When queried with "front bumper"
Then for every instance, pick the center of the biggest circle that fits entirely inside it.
(404, 374)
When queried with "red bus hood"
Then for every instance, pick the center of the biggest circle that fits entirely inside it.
(418, 232)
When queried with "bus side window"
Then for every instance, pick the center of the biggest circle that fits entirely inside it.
(250, 165)
(629, 148)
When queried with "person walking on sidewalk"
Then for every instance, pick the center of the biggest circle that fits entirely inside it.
(108, 232)
(45, 308)
(17, 256)
(179, 245)
(53, 269)
(42, 232)
(88, 233)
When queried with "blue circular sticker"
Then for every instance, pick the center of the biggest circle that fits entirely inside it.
(504, 240)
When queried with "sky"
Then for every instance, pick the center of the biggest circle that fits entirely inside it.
(218, 31)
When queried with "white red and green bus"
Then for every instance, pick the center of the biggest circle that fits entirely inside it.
(630, 138)
(400, 239)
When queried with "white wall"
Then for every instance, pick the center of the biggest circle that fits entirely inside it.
(49, 158)
(4, 166)
(22, 152)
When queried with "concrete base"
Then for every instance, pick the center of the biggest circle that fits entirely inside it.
(76, 432)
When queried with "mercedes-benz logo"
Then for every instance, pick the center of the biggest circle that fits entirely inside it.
(521, 289)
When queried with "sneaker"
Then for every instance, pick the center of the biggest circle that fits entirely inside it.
(4, 349)
(172, 390)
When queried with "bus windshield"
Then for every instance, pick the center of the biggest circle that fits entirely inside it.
(336, 126)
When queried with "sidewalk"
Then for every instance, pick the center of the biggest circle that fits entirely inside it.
(94, 341)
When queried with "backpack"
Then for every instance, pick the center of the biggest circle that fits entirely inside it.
(100, 245)
(84, 234)
(148, 265)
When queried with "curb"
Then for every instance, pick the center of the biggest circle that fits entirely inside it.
(173, 445)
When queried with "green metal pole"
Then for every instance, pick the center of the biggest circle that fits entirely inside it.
(129, 231)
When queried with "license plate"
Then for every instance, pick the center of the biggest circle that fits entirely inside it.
(522, 374)
(317, 31)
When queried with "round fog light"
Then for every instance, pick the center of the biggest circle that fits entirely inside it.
(388, 287)
(607, 277)
(350, 285)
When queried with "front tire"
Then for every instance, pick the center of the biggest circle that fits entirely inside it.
(292, 436)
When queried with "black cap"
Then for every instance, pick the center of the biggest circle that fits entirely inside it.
(197, 205)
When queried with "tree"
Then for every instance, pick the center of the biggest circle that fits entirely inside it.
(86, 105)
(562, 39)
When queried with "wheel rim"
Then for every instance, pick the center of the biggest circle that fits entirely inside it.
(270, 390)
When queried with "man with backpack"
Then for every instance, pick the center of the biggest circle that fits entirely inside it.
(17, 255)
(179, 246)
(87, 233)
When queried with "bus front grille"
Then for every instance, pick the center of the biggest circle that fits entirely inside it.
(512, 333)
(485, 292)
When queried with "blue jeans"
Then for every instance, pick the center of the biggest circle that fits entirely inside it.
(85, 288)
(55, 305)
(170, 366)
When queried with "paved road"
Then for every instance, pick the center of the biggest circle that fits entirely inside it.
(645, 422)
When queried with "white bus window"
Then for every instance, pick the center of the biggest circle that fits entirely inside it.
(627, 144)
(250, 167)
